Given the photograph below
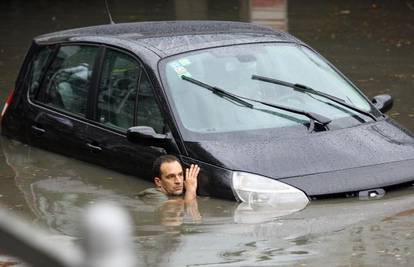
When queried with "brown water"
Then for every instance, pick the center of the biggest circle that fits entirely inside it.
(371, 42)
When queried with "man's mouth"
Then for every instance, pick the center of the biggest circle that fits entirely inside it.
(178, 188)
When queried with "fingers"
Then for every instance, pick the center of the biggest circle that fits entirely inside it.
(191, 182)
(195, 170)
(192, 172)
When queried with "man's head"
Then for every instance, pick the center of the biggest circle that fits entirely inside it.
(168, 175)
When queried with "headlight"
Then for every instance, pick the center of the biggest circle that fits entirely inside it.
(255, 189)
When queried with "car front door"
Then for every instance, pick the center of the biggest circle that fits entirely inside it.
(124, 98)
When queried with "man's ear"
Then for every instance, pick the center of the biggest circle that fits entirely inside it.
(157, 182)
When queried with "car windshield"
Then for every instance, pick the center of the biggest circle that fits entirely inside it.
(231, 69)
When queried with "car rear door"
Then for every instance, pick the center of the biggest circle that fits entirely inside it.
(60, 115)
(124, 98)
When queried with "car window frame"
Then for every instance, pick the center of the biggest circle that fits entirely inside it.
(22, 81)
(91, 114)
(94, 98)
(143, 71)
(38, 98)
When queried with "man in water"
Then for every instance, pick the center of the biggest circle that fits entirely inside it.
(169, 177)
(171, 189)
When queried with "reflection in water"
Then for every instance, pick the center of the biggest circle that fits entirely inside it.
(171, 213)
(57, 188)
(251, 213)
(176, 212)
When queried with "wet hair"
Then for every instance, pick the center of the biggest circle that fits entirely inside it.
(156, 166)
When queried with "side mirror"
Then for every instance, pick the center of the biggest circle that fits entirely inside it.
(383, 102)
(146, 135)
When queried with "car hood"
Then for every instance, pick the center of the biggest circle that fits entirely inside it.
(368, 156)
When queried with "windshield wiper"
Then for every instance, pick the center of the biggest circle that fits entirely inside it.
(306, 89)
(218, 91)
(314, 117)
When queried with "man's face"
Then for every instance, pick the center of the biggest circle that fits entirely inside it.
(171, 181)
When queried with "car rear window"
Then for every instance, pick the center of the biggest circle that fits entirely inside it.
(67, 82)
(37, 68)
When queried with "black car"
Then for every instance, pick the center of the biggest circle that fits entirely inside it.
(264, 115)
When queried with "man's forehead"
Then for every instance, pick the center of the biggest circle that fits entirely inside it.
(170, 167)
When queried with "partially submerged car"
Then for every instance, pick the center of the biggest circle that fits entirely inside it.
(265, 116)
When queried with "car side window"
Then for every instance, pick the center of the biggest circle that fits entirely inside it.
(148, 112)
(37, 68)
(118, 90)
(68, 79)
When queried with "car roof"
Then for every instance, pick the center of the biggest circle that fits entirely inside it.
(171, 37)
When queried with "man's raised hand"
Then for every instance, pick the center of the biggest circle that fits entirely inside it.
(191, 175)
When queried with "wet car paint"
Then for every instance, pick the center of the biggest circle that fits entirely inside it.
(371, 155)
(304, 162)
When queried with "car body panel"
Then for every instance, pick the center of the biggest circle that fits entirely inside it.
(325, 154)
(354, 180)
(58, 133)
(369, 155)
(177, 36)
(116, 152)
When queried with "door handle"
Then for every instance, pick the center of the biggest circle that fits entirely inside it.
(94, 148)
(38, 130)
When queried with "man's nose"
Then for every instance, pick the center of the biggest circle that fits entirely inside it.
(177, 180)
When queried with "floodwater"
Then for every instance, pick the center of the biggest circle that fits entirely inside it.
(372, 42)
